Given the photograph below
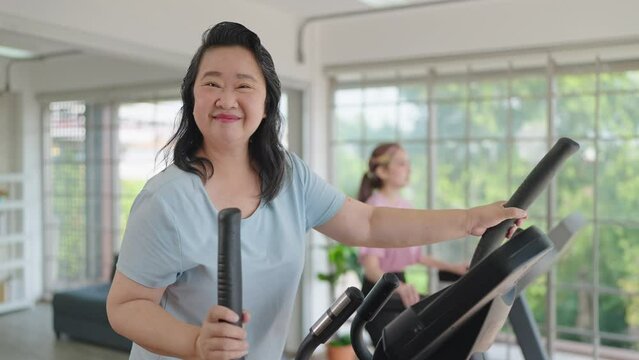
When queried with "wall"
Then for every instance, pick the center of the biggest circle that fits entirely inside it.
(474, 26)
(166, 32)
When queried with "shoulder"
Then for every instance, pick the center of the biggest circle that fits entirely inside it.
(297, 170)
(170, 183)
(294, 162)
(376, 199)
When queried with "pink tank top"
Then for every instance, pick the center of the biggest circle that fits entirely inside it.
(391, 259)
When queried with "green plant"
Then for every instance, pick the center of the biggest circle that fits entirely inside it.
(341, 259)
(341, 340)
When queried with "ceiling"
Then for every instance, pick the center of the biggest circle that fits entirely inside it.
(36, 45)
(301, 8)
(311, 8)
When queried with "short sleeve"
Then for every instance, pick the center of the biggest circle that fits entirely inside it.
(321, 199)
(150, 254)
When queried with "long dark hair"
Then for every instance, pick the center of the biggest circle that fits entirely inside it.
(381, 156)
(266, 153)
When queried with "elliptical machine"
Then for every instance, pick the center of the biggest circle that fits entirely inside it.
(460, 320)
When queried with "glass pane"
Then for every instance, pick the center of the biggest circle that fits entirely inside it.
(458, 251)
(488, 118)
(388, 95)
(491, 89)
(348, 97)
(451, 177)
(536, 299)
(529, 86)
(575, 116)
(530, 118)
(614, 240)
(575, 267)
(452, 91)
(416, 190)
(575, 182)
(381, 122)
(619, 115)
(413, 118)
(488, 164)
(574, 311)
(347, 122)
(618, 183)
(612, 318)
(143, 129)
(451, 119)
(576, 84)
(414, 92)
(168, 111)
(629, 280)
(142, 112)
(348, 168)
(628, 80)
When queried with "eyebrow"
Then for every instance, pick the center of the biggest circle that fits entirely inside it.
(239, 76)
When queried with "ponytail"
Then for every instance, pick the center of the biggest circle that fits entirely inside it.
(369, 182)
(380, 156)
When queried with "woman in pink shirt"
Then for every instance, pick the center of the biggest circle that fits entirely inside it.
(388, 172)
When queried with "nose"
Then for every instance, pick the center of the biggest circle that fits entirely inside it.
(226, 100)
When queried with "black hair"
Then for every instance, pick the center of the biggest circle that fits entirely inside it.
(380, 156)
(266, 152)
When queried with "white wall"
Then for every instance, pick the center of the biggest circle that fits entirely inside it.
(86, 72)
(474, 26)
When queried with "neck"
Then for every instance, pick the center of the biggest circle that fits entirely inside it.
(230, 159)
(391, 193)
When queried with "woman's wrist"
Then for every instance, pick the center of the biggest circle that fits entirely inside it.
(467, 222)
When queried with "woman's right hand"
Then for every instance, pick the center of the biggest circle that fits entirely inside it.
(219, 338)
(408, 294)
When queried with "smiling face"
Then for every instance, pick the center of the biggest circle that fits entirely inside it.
(229, 93)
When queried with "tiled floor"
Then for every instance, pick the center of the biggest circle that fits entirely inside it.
(28, 335)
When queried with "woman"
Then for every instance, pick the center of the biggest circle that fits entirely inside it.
(226, 153)
(388, 173)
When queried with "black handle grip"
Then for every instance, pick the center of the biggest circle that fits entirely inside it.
(528, 191)
(373, 303)
(229, 266)
(378, 296)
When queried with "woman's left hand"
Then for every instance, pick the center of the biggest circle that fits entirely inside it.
(480, 218)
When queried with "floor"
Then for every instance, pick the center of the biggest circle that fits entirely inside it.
(28, 335)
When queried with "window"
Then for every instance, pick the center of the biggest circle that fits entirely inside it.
(472, 138)
(97, 158)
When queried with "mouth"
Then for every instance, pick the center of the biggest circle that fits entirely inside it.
(226, 118)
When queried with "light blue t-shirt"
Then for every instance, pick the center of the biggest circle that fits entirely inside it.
(171, 240)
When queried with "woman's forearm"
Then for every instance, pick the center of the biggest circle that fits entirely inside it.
(391, 227)
(150, 326)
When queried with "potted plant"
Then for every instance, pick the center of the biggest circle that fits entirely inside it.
(342, 259)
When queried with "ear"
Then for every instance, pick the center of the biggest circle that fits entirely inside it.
(381, 172)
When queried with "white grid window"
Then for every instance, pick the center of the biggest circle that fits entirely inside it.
(473, 136)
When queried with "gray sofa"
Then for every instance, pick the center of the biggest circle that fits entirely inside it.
(81, 314)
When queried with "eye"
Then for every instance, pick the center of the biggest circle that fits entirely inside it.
(211, 84)
(244, 86)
